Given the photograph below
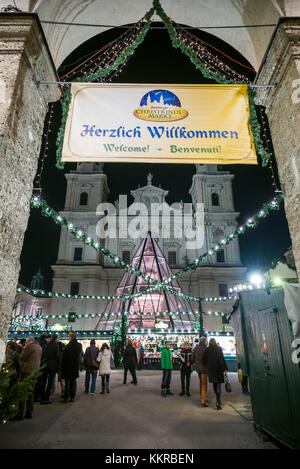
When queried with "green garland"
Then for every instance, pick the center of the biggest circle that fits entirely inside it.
(120, 60)
(255, 127)
(177, 43)
(78, 234)
(65, 101)
(118, 341)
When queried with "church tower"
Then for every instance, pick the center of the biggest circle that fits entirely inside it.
(213, 188)
(78, 270)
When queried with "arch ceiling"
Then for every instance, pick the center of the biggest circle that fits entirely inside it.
(250, 42)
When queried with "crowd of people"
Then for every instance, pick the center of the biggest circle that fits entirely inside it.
(209, 363)
(66, 361)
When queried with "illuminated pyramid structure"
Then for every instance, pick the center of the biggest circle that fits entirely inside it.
(160, 309)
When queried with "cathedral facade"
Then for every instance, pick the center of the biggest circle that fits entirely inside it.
(81, 270)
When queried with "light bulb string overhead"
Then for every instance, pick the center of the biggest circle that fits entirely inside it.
(209, 65)
(104, 48)
(18, 318)
(45, 294)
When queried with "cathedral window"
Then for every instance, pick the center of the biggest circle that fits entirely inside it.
(215, 200)
(126, 256)
(223, 289)
(172, 257)
(220, 256)
(39, 311)
(78, 254)
(74, 289)
(71, 317)
(83, 198)
(225, 320)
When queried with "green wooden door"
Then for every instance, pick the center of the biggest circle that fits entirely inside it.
(278, 411)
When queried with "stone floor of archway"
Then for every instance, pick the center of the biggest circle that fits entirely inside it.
(137, 417)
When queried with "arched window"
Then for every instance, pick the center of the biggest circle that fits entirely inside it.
(126, 257)
(220, 256)
(215, 199)
(83, 198)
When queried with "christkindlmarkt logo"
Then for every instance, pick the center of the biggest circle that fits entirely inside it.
(160, 105)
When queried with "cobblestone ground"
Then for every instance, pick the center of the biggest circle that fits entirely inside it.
(137, 417)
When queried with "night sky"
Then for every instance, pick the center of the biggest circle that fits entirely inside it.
(155, 61)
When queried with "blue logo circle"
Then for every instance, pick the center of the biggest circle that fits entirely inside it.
(157, 96)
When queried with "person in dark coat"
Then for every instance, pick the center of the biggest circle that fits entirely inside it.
(141, 360)
(130, 362)
(70, 366)
(61, 346)
(38, 390)
(186, 357)
(51, 358)
(216, 366)
(201, 368)
(91, 367)
(42, 340)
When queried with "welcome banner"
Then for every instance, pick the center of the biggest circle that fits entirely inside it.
(159, 124)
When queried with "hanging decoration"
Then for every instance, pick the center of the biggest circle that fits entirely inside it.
(199, 54)
(102, 72)
(159, 123)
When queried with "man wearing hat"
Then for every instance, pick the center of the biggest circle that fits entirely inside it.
(51, 358)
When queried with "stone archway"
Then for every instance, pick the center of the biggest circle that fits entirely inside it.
(26, 59)
(250, 43)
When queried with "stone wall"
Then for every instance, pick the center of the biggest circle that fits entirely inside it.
(282, 67)
(24, 60)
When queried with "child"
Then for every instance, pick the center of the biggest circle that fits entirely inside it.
(186, 358)
(166, 366)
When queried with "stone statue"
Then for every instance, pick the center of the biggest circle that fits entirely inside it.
(149, 178)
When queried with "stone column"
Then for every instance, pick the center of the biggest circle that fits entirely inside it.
(282, 67)
(24, 60)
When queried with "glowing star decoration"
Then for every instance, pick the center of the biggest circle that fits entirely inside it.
(160, 106)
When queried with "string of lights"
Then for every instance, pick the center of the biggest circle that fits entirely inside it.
(252, 222)
(45, 294)
(267, 141)
(17, 318)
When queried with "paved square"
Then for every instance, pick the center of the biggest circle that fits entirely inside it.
(138, 417)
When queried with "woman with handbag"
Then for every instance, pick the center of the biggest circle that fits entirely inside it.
(216, 367)
(91, 367)
(105, 358)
